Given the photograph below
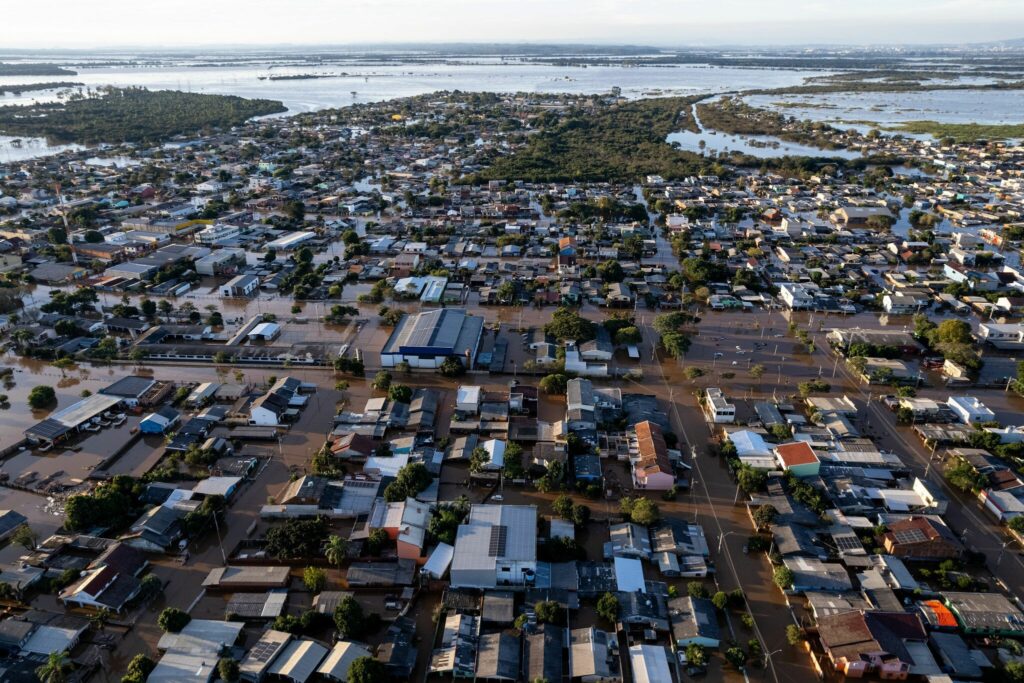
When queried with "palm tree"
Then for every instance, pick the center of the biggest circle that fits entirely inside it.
(337, 548)
(55, 670)
(100, 618)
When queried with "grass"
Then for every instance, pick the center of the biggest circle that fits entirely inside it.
(962, 132)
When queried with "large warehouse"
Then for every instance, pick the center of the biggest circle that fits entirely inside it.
(424, 340)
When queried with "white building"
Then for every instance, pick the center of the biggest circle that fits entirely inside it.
(969, 409)
(795, 295)
(240, 285)
(1002, 336)
(497, 546)
(717, 408)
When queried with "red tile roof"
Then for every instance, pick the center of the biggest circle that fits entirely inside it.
(796, 453)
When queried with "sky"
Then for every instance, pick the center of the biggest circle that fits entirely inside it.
(188, 23)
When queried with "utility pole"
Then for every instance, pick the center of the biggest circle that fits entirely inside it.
(64, 218)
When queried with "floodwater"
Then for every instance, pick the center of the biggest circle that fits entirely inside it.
(362, 83)
(861, 110)
(761, 146)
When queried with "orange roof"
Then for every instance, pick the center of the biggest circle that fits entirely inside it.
(943, 616)
(653, 449)
(796, 453)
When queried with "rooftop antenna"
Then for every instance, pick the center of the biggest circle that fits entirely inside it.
(64, 217)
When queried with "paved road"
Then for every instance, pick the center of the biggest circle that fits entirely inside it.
(711, 503)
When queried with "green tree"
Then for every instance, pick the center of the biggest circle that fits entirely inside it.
(562, 505)
(375, 541)
(794, 634)
(410, 481)
(25, 537)
(227, 669)
(400, 393)
(608, 607)
(172, 620)
(720, 600)
(783, 577)
(554, 384)
(548, 612)
(639, 510)
(41, 396)
(138, 669)
(580, 515)
(451, 367)
(696, 655)
(736, 656)
(336, 550)
(568, 325)
(1016, 524)
(382, 380)
(349, 618)
(764, 516)
(56, 669)
(366, 670)
(314, 579)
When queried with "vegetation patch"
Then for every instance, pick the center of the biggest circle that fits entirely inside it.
(116, 115)
(617, 143)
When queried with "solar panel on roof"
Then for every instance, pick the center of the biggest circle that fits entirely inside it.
(499, 536)
(909, 536)
(262, 651)
(847, 542)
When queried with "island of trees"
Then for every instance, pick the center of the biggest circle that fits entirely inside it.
(117, 115)
(7, 69)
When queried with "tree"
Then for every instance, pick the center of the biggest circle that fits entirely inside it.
(554, 384)
(794, 634)
(964, 477)
(314, 579)
(25, 537)
(750, 479)
(227, 669)
(611, 271)
(757, 371)
(451, 367)
(720, 600)
(172, 620)
(375, 541)
(400, 393)
(568, 325)
(349, 618)
(608, 607)
(41, 396)
(951, 332)
(548, 612)
(1016, 524)
(366, 670)
(764, 516)
(696, 655)
(639, 510)
(138, 669)
(382, 380)
(297, 538)
(336, 550)
(696, 589)
(55, 670)
(410, 481)
(736, 656)
(580, 515)
(562, 505)
(783, 577)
